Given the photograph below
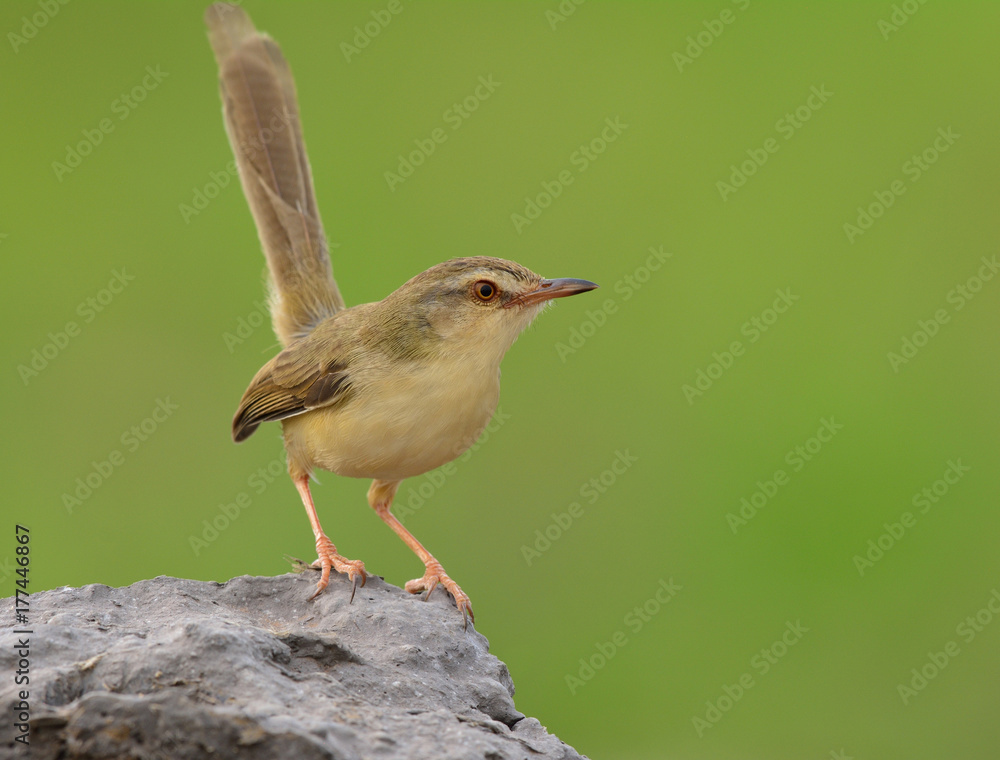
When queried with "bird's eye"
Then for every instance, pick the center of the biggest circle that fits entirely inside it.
(485, 290)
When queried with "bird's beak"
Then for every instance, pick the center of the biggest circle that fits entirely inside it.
(549, 289)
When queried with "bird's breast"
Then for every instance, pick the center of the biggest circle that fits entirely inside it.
(399, 423)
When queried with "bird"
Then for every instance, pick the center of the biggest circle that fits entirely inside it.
(383, 391)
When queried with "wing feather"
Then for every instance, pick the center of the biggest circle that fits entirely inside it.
(284, 389)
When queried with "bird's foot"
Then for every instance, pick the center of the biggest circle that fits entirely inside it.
(330, 559)
(436, 576)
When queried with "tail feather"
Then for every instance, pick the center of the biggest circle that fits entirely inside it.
(262, 120)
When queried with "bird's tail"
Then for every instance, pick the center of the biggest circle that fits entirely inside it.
(262, 121)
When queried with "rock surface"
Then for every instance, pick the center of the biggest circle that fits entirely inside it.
(171, 668)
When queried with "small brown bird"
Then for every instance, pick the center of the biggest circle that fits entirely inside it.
(385, 390)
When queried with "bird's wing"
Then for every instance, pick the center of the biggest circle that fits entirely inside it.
(295, 381)
(262, 120)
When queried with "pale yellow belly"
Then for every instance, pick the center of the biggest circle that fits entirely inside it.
(396, 430)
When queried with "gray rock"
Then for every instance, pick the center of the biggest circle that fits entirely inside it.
(171, 668)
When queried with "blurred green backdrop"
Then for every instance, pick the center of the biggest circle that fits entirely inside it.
(736, 140)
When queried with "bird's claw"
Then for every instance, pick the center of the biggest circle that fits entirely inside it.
(435, 576)
(329, 559)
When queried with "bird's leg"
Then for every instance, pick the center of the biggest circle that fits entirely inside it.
(380, 497)
(328, 557)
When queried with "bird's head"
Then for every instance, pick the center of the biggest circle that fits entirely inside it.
(478, 303)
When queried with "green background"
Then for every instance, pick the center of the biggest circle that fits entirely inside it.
(665, 518)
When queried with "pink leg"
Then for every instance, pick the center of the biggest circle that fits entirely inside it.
(328, 556)
(380, 497)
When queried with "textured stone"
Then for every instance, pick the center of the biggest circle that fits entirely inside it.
(171, 668)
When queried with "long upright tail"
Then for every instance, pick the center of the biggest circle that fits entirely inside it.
(262, 121)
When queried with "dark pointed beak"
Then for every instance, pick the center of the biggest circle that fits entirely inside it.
(549, 289)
